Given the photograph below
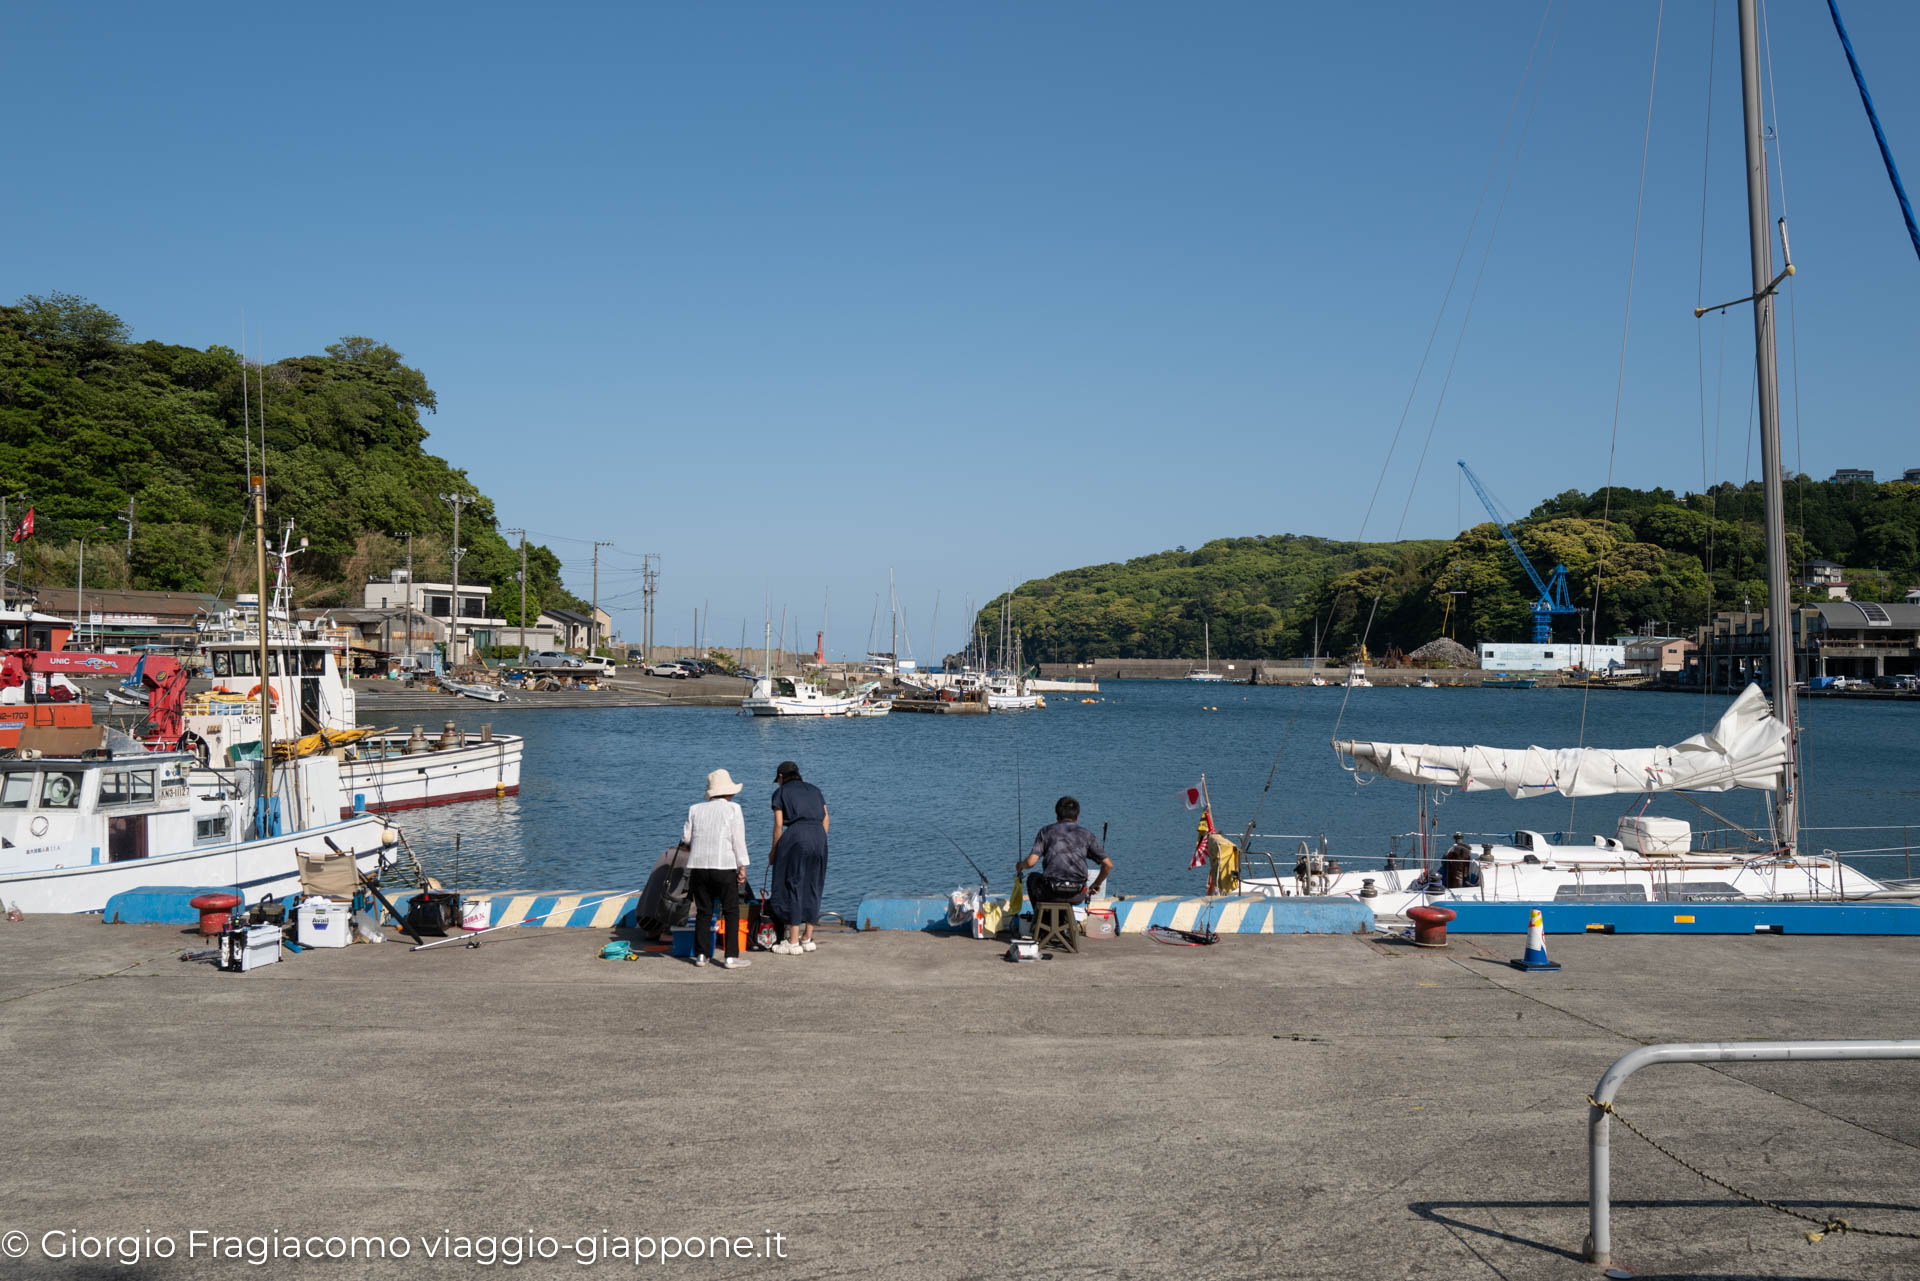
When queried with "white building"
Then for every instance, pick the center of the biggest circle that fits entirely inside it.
(427, 612)
(1498, 657)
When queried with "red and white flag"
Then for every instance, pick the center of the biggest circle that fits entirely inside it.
(1200, 846)
(26, 529)
(1192, 797)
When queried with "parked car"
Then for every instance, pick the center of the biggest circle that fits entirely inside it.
(693, 667)
(604, 666)
(553, 658)
(669, 669)
(1896, 682)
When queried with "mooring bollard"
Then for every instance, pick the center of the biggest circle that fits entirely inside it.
(1429, 925)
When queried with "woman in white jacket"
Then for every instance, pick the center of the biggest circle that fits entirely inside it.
(715, 838)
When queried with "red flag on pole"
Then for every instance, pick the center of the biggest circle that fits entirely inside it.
(26, 528)
(1191, 796)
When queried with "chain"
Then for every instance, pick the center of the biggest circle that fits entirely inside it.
(1821, 1227)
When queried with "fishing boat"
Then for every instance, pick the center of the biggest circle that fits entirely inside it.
(1426, 682)
(313, 708)
(792, 696)
(77, 829)
(1207, 674)
(1357, 678)
(1752, 746)
(1508, 682)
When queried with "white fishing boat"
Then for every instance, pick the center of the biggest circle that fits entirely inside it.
(314, 707)
(791, 696)
(1206, 674)
(1357, 678)
(76, 830)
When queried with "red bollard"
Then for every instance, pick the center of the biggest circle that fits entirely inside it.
(1430, 925)
(215, 911)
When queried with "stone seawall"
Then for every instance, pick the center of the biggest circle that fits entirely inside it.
(1269, 671)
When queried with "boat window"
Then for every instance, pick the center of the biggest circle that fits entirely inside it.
(273, 662)
(313, 662)
(61, 790)
(1619, 893)
(142, 783)
(17, 790)
(210, 829)
(220, 664)
(1523, 840)
(1688, 891)
(113, 788)
(242, 662)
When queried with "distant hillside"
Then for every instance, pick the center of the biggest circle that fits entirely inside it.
(90, 419)
(1660, 558)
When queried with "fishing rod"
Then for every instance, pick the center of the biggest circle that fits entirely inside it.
(970, 863)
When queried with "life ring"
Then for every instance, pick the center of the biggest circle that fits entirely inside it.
(273, 695)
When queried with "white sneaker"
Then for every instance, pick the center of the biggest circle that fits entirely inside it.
(807, 945)
(735, 963)
(785, 948)
(699, 961)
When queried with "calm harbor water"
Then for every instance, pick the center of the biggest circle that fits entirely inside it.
(603, 792)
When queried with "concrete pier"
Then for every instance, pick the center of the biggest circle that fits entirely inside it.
(907, 1105)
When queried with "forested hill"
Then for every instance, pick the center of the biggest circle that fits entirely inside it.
(1660, 558)
(90, 419)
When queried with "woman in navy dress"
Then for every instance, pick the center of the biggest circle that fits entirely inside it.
(798, 858)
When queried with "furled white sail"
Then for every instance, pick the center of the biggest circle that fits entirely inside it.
(1748, 748)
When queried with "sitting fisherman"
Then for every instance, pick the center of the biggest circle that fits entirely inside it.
(1063, 849)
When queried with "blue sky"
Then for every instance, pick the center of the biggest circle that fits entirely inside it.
(792, 294)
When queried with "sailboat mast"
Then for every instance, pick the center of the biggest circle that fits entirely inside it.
(1786, 799)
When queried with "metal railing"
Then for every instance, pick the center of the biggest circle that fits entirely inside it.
(1599, 1243)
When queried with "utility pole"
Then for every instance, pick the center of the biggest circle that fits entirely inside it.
(409, 598)
(128, 518)
(649, 588)
(593, 619)
(458, 501)
(523, 593)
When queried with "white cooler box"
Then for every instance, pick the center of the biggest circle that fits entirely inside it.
(1650, 834)
(323, 922)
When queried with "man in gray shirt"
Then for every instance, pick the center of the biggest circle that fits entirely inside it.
(1062, 850)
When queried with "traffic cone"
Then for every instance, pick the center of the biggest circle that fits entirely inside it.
(1536, 956)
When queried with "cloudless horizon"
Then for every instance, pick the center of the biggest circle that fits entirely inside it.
(795, 295)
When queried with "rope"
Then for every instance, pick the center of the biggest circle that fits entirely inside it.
(1620, 382)
(1832, 1225)
(1879, 135)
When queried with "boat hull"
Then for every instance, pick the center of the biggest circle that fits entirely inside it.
(384, 777)
(252, 868)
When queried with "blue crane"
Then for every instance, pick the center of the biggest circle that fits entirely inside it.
(1553, 590)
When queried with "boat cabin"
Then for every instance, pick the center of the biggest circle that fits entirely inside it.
(308, 693)
(76, 811)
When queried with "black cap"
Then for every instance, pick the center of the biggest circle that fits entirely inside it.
(786, 770)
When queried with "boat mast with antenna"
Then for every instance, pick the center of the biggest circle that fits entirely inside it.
(1786, 798)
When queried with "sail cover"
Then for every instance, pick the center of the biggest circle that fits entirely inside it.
(1748, 748)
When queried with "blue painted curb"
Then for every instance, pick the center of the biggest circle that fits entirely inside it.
(1234, 914)
(1686, 918)
(1245, 914)
(586, 909)
(158, 904)
(927, 914)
